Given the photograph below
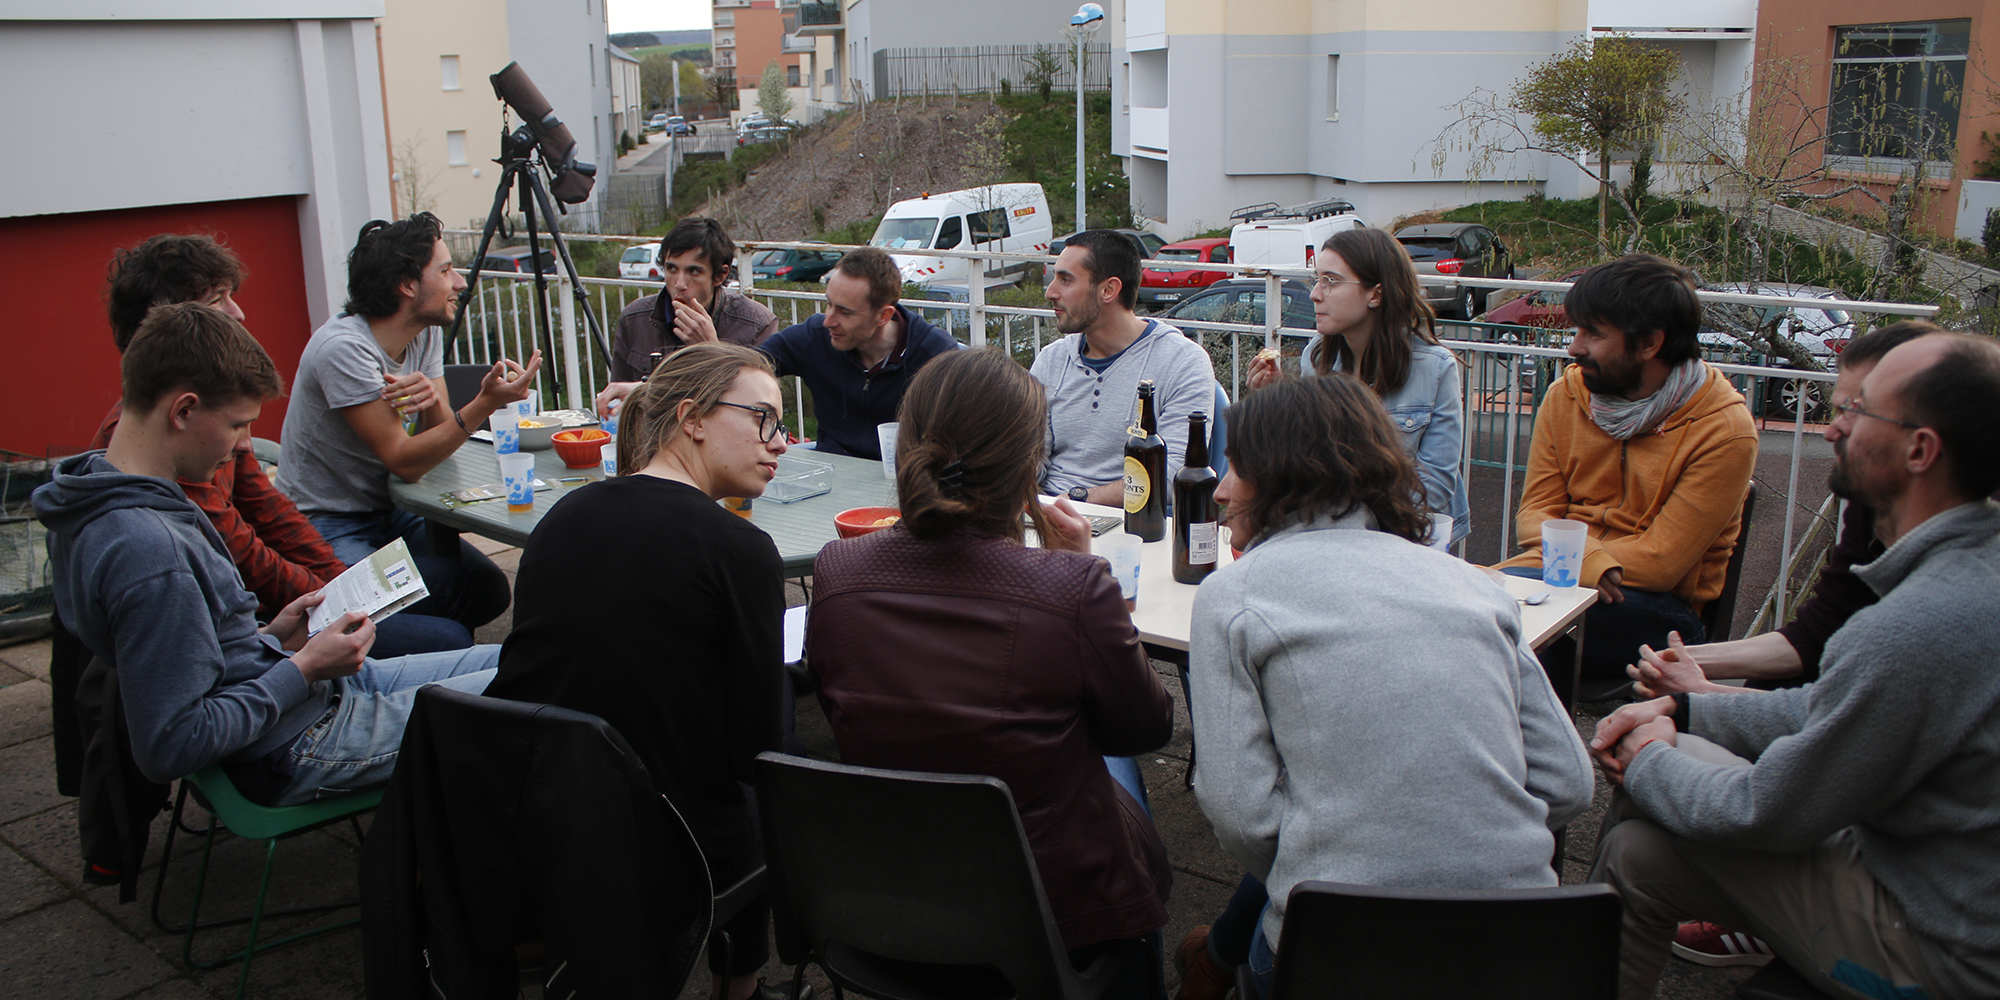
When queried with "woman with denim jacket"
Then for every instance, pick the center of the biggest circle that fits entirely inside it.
(1365, 289)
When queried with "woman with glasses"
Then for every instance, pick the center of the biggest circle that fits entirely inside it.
(1374, 323)
(641, 600)
(945, 644)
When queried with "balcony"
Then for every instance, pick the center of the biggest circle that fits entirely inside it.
(725, 20)
(725, 42)
(820, 18)
(798, 43)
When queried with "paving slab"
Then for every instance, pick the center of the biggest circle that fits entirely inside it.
(31, 658)
(25, 885)
(28, 779)
(321, 968)
(177, 989)
(10, 676)
(24, 713)
(71, 950)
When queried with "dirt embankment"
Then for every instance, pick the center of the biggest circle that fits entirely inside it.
(853, 165)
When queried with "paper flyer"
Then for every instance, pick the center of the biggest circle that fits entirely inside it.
(383, 584)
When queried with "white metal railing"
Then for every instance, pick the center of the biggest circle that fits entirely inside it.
(502, 321)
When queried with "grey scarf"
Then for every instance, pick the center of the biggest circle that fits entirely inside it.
(1626, 419)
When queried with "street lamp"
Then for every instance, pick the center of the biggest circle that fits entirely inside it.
(1081, 25)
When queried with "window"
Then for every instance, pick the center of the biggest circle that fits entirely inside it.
(791, 76)
(1333, 88)
(829, 76)
(454, 148)
(1896, 89)
(593, 64)
(448, 66)
(949, 233)
(989, 225)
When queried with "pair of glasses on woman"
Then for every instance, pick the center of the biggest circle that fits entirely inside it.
(769, 424)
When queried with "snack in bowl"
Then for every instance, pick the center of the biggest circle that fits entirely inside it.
(582, 448)
(862, 520)
(536, 432)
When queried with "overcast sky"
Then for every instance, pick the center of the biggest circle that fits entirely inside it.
(659, 15)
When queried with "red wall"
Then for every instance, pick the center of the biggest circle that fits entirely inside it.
(61, 372)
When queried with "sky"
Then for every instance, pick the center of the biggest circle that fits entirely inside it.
(659, 15)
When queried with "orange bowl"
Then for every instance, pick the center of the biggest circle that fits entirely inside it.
(862, 520)
(582, 449)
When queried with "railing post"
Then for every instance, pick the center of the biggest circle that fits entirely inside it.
(1274, 308)
(975, 298)
(572, 370)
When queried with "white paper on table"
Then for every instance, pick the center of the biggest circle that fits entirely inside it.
(379, 586)
(795, 634)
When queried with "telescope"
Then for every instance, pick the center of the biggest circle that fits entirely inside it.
(570, 179)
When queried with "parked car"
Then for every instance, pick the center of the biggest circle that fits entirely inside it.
(676, 125)
(1460, 249)
(515, 260)
(1159, 287)
(793, 264)
(1145, 244)
(1241, 300)
(642, 261)
(1538, 309)
(657, 122)
(767, 133)
(1822, 332)
(1288, 236)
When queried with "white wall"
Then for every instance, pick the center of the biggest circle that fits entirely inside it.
(561, 45)
(258, 107)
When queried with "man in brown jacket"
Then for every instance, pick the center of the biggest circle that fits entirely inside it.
(695, 308)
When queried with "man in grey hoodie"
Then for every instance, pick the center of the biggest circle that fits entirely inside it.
(149, 586)
(1863, 842)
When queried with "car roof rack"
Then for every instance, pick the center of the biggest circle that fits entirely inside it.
(1305, 210)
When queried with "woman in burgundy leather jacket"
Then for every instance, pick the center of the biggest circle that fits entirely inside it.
(945, 644)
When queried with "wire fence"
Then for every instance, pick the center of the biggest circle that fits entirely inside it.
(981, 68)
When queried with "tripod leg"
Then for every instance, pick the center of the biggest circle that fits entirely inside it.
(562, 252)
(493, 220)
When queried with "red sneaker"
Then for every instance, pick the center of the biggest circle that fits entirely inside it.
(1707, 944)
(1201, 977)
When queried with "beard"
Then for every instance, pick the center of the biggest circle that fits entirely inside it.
(1078, 319)
(1616, 380)
(440, 313)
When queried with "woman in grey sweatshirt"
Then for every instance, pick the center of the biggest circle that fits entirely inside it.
(1368, 709)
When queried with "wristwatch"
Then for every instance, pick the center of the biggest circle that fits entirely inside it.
(1080, 494)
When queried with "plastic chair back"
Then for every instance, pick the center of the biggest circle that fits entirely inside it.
(1558, 943)
(461, 382)
(1719, 616)
(890, 875)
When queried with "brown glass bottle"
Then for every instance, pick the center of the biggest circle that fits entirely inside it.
(1195, 517)
(1146, 483)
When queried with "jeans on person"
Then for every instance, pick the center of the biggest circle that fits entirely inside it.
(1237, 935)
(1613, 632)
(469, 589)
(354, 745)
(1142, 977)
(404, 634)
(1125, 771)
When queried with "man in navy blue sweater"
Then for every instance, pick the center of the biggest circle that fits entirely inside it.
(859, 354)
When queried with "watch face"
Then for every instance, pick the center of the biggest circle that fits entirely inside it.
(1079, 494)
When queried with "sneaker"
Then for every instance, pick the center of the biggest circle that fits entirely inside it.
(1201, 977)
(1707, 944)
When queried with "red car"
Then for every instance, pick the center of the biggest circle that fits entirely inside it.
(1541, 309)
(1160, 287)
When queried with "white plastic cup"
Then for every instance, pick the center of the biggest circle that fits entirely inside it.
(517, 470)
(885, 434)
(524, 407)
(1441, 526)
(506, 425)
(610, 454)
(1562, 552)
(1122, 550)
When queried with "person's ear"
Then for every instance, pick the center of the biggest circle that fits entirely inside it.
(885, 314)
(180, 409)
(1648, 347)
(1109, 289)
(1926, 451)
(407, 290)
(689, 420)
(1375, 297)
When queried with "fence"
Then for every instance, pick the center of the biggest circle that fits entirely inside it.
(980, 68)
(634, 202)
(1507, 368)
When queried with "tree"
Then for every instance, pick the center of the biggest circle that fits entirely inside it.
(772, 98)
(693, 84)
(412, 183)
(722, 86)
(1601, 95)
(1041, 67)
(656, 80)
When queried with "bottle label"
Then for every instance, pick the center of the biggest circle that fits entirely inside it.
(1138, 485)
(1201, 543)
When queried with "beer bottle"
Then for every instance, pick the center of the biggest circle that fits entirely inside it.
(1194, 508)
(1146, 483)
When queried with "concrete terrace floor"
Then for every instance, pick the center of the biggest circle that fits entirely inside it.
(61, 939)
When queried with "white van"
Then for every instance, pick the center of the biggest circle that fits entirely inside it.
(1287, 237)
(1005, 218)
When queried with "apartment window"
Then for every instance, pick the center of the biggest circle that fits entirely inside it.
(1332, 88)
(1897, 88)
(593, 65)
(448, 68)
(454, 148)
(791, 76)
(829, 76)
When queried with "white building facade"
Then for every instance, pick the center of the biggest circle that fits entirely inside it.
(1220, 105)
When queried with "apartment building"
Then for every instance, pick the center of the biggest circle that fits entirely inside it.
(444, 121)
(1222, 105)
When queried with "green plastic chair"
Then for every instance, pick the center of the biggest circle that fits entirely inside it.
(251, 821)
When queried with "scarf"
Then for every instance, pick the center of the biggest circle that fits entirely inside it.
(1626, 419)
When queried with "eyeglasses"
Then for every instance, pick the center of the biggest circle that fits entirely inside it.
(768, 421)
(1324, 283)
(1853, 408)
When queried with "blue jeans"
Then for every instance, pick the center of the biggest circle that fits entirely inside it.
(469, 589)
(354, 745)
(1613, 633)
(403, 633)
(1237, 935)
(1141, 978)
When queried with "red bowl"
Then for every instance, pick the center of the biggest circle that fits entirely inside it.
(862, 520)
(582, 449)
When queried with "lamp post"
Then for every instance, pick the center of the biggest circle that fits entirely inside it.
(1081, 25)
